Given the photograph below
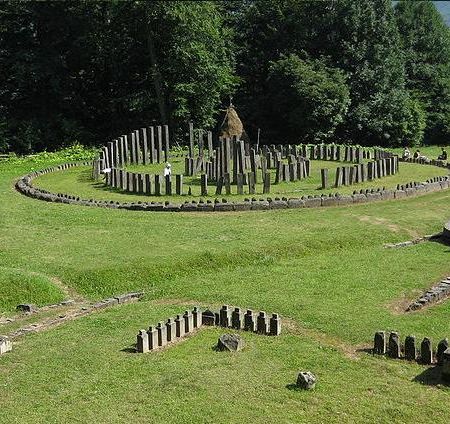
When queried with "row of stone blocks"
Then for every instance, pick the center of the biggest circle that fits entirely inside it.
(438, 292)
(174, 329)
(169, 185)
(271, 157)
(5, 345)
(363, 172)
(336, 152)
(426, 161)
(143, 146)
(331, 152)
(348, 175)
(148, 184)
(391, 346)
(24, 185)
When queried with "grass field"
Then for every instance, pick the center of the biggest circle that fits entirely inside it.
(324, 270)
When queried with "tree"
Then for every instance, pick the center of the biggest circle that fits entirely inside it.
(311, 97)
(426, 43)
(265, 30)
(362, 39)
(191, 57)
(89, 71)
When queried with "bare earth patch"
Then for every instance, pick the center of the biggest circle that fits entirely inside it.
(395, 228)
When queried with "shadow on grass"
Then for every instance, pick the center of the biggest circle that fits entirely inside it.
(439, 238)
(130, 349)
(367, 350)
(431, 377)
(294, 388)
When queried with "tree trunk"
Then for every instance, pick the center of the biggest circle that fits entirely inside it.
(157, 79)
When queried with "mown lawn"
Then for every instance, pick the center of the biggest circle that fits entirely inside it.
(324, 270)
(82, 373)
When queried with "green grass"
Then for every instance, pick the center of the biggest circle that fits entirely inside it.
(432, 152)
(81, 373)
(324, 269)
(19, 287)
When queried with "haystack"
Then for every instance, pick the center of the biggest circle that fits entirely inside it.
(232, 125)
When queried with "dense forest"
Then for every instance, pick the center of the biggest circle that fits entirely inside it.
(367, 71)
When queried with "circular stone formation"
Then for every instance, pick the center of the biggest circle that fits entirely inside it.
(446, 232)
(25, 186)
(232, 163)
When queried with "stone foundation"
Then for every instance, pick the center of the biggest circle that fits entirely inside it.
(175, 329)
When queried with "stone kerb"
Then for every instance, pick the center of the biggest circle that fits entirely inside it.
(433, 295)
(24, 186)
(175, 329)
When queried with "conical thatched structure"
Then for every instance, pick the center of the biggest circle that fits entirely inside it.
(232, 125)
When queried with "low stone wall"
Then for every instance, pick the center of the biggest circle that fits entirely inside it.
(433, 162)
(24, 186)
(392, 347)
(436, 293)
(174, 329)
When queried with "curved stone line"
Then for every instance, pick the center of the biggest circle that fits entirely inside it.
(246, 162)
(24, 186)
(412, 242)
(438, 292)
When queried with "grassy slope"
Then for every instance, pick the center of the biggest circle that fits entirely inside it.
(19, 287)
(325, 269)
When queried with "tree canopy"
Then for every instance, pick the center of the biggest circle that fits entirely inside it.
(364, 72)
(425, 40)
